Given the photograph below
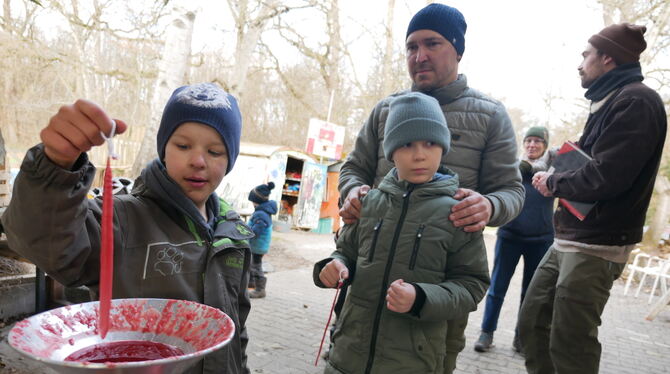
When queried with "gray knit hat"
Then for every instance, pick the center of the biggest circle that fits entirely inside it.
(539, 131)
(412, 117)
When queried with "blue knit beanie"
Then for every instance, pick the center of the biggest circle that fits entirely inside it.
(444, 20)
(413, 117)
(204, 103)
(261, 193)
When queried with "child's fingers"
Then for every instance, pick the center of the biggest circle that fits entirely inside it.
(97, 116)
(342, 270)
(330, 274)
(121, 126)
(327, 278)
(57, 148)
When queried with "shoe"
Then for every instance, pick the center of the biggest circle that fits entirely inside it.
(259, 291)
(485, 342)
(516, 344)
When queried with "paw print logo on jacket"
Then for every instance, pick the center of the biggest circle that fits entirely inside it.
(169, 261)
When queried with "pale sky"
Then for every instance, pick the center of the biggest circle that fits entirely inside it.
(518, 50)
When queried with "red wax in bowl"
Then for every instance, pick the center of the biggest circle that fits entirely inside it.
(124, 351)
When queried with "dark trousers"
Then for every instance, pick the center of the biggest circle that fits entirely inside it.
(559, 319)
(256, 270)
(507, 255)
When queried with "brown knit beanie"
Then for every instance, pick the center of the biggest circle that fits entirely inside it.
(623, 42)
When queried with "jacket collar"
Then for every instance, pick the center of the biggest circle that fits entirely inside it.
(155, 183)
(446, 183)
(450, 92)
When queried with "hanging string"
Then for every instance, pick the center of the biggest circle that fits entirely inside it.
(330, 316)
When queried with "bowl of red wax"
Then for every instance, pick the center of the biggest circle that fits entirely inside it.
(144, 336)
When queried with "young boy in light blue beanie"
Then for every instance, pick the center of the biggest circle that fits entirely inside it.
(409, 268)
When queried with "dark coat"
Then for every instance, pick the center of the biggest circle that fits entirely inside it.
(625, 139)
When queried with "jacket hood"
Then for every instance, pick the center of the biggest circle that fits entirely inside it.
(444, 183)
(155, 183)
(270, 207)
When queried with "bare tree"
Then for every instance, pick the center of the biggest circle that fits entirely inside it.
(388, 51)
(251, 18)
(171, 74)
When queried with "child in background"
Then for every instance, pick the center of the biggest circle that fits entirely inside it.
(173, 237)
(261, 223)
(409, 269)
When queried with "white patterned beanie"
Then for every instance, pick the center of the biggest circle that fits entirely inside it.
(204, 103)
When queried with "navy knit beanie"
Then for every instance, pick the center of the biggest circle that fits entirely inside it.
(444, 20)
(414, 117)
(204, 103)
(261, 193)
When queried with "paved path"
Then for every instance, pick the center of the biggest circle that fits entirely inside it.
(286, 327)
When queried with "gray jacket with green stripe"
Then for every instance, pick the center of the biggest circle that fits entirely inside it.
(404, 233)
(483, 149)
(163, 248)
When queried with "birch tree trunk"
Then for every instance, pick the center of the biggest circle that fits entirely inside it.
(661, 213)
(172, 73)
(388, 51)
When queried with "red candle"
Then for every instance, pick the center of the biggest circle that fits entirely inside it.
(106, 252)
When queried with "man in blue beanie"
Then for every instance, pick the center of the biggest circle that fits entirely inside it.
(483, 144)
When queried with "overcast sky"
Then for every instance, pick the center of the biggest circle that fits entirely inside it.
(517, 50)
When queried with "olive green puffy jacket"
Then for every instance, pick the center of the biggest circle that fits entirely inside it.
(404, 233)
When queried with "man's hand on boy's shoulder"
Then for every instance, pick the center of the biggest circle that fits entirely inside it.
(351, 208)
(474, 211)
(75, 129)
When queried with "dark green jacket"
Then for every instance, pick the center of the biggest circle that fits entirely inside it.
(483, 149)
(404, 233)
(163, 248)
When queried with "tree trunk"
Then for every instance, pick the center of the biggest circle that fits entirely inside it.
(172, 73)
(660, 219)
(388, 52)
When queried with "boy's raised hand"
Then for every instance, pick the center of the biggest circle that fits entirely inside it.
(76, 129)
(330, 274)
(400, 296)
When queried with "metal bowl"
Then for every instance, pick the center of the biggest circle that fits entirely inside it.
(194, 328)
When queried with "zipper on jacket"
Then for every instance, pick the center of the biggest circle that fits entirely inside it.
(415, 250)
(387, 271)
(376, 229)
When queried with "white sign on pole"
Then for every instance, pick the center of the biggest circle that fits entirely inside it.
(325, 139)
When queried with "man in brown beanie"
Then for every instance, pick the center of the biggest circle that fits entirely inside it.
(624, 135)
(483, 144)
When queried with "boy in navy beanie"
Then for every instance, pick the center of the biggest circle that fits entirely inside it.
(261, 223)
(173, 237)
(204, 103)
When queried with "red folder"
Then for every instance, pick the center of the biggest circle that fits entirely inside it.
(569, 158)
